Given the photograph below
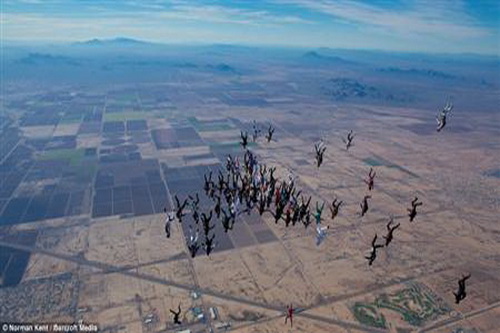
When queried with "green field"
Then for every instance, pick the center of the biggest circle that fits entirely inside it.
(214, 128)
(233, 146)
(416, 304)
(368, 315)
(209, 127)
(80, 166)
(74, 156)
(122, 116)
(71, 119)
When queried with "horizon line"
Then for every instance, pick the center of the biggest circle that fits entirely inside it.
(48, 42)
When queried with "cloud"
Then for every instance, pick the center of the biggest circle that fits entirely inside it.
(416, 25)
(135, 17)
(222, 14)
(447, 19)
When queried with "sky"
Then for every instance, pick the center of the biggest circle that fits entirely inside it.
(429, 26)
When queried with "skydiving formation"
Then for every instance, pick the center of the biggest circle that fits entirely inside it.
(203, 126)
(241, 188)
(441, 117)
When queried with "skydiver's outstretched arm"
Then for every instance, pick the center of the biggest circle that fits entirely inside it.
(395, 227)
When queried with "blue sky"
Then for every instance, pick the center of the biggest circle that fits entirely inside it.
(449, 26)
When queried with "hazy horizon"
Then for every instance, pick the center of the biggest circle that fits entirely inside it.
(402, 26)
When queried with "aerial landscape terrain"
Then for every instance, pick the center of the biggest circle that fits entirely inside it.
(99, 136)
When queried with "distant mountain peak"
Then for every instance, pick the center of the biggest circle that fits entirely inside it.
(113, 41)
(312, 54)
(315, 55)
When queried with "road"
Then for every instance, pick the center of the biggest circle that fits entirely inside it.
(110, 268)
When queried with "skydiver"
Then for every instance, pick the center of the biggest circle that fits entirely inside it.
(390, 230)
(364, 205)
(256, 131)
(296, 214)
(179, 210)
(193, 245)
(227, 221)
(235, 177)
(348, 142)
(319, 211)
(193, 237)
(209, 244)
(461, 294)
(234, 208)
(307, 219)
(236, 165)
(441, 118)
(371, 177)
(176, 315)
(272, 180)
(194, 207)
(334, 208)
(208, 182)
(168, 221)
(278, 212)
(270, 195)
(320, 150)
(244, 139)
(262, 204)
(206, 222)
(250, 162)
(262, 172)
(304, 207)
(321, 234)
(229, 162)
(288, 217)
(373, 254)
(270, 132)
(193, 248)
(221, 181)
(217, 206)
(289, 314)
(413, 210)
